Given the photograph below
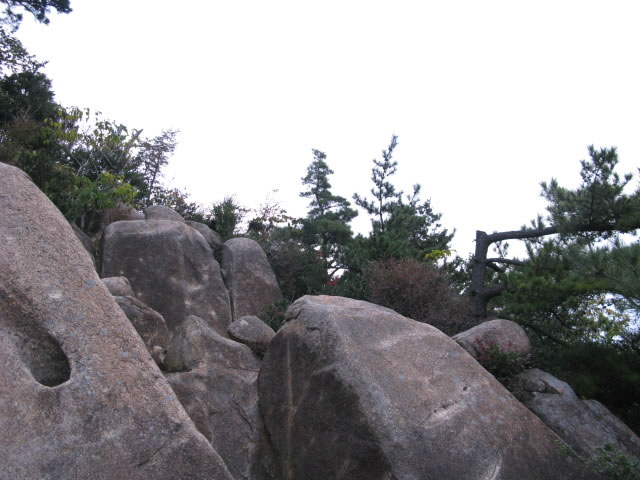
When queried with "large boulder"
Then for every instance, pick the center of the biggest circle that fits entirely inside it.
(585, 425)
(351, 390)
(170, 267)
(249, 277)
(505, 335)
(216, 381)
(81, 396)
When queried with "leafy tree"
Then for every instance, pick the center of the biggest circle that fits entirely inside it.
(80, 160)
(38, 8)
(269, 217)
(14, 58)
(598, 209)
(226, 217)
(152, 156)
(326, 228)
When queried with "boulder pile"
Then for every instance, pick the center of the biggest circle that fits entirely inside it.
(161, 367)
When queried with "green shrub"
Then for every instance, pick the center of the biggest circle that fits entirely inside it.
(274, 314)
(499, 363)
(609, 462)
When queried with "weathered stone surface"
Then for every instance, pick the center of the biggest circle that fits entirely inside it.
(584, 425)
(351, 390)
(170, 267)
(118, 286)
(253, 332)
(211, 236)
(80, 396)
(160, 212)
(249, 277)
(148, 323)
(508, 336)
(217, 384)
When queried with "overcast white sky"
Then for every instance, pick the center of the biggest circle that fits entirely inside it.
(488, 98)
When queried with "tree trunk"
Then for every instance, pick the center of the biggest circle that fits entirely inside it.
(481, 294)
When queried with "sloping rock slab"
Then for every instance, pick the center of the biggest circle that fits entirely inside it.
(81, 396)
(250, 279)
(584, 425)
(351, 390)
(218, 388)
(170, 267)
(507, 336)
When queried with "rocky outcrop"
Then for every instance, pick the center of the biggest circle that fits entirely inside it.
(251, 282)
(216, 381)
(505, 335)
(81, 396)
(252, 332)
(170, 267)
(351, 390)
(160, 212)
(585, 425)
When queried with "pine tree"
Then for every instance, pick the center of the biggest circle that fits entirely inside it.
(402, 227)
(326, 227)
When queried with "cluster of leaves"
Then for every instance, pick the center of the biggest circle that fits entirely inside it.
(274, 314)
(609, 462)
(82, 161)
(13, 13)
(501, 364)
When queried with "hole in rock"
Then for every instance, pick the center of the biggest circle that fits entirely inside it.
(44, 357)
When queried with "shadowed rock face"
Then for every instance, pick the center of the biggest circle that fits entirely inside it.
(252, 332)
(251, 282)
(118, 286)
(81, 396)
(170, 267)
(211, 236)
(585, 425)
(149, 324)
(351, 390)
(216, 382)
